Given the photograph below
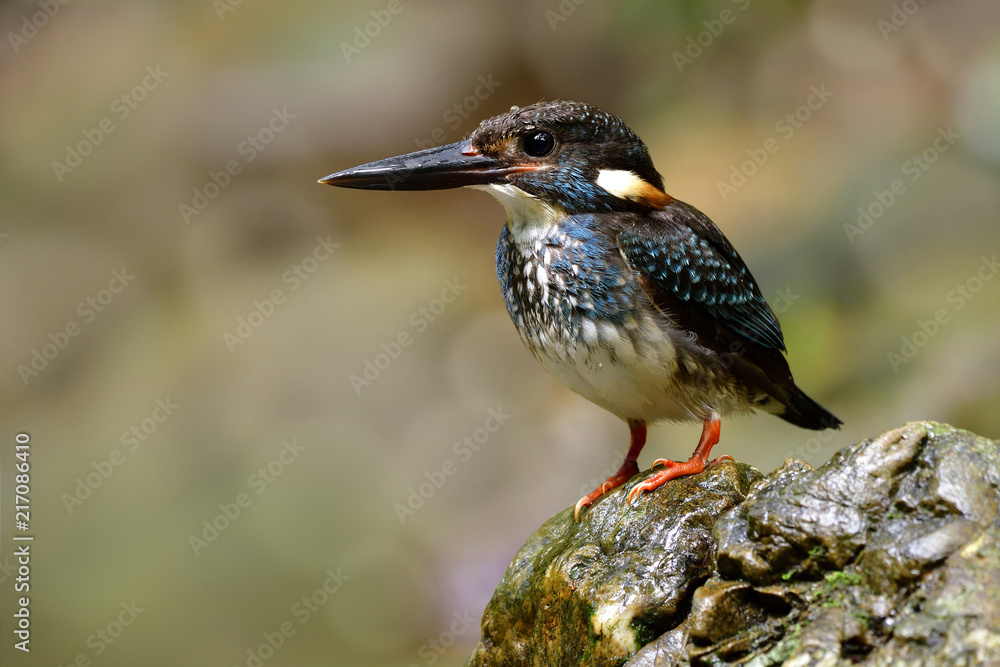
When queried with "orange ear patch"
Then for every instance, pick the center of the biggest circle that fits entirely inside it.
(652, 195)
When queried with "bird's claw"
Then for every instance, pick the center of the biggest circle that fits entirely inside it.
(673, 470)
(640, 488)
(624, 474)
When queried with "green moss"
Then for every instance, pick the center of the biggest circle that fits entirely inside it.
(833, 593)
(842, 578)
(837, 600)
(781, 652)
(952, 606)
(861, 616)
(644, 631)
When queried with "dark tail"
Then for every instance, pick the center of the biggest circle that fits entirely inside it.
(796, 408)
(766, 369)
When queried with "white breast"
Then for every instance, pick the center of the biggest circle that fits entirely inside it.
(629, 374)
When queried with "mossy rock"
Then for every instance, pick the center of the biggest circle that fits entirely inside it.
(888, 554)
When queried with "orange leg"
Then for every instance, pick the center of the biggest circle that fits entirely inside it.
(628, 470)
(693, 466)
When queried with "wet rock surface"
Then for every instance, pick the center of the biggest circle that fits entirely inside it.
(889, 554)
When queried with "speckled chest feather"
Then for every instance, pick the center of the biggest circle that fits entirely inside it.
(560, 287)
(580, 309)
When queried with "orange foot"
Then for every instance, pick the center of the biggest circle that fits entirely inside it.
(693, 466)
(628, 470)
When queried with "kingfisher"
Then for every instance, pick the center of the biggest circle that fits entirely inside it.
(633, 299)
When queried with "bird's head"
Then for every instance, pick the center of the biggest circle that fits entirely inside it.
(565, 157)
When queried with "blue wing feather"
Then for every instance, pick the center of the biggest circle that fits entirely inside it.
(682, 252)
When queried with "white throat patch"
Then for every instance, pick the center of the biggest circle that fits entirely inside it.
(528, 217)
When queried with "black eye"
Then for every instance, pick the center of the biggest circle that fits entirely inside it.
(539, 144)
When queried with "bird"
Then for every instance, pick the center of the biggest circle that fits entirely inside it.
(633, 299)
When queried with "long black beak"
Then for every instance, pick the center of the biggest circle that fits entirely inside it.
(452, 166)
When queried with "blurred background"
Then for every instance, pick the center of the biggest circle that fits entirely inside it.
(273, 422)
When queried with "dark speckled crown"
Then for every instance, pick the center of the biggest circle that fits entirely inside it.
(588, 140)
